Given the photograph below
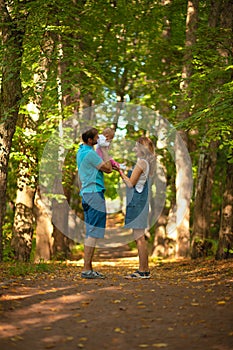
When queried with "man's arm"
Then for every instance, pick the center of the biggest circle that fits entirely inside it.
(106, 165)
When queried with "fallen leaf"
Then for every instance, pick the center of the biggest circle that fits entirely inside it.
(69, 338)
(53, 309)
(85, 303)
(119, 330)
(143, 345)
(159, 345)
(16, 338)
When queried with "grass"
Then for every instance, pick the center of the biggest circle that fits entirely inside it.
(16, 269)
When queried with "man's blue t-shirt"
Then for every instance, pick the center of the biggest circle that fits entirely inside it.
(91, 178)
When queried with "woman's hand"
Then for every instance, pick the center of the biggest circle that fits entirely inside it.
(137, 171)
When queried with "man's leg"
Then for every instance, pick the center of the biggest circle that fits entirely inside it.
(95, 219)
(89, 249)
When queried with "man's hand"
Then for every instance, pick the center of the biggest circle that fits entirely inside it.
(106, 165)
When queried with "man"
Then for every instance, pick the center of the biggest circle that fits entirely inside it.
(91, 168)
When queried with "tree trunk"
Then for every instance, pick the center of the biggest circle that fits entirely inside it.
(60, 210)
(203, 201)
(23, 227)
(60, 216)
(183, 238)
(182, 227)
(220, 15)
(163, 246)
(44, 230)
(23, 224)
(23, 231)
(225, 245)
(184, 183)
(10, 96)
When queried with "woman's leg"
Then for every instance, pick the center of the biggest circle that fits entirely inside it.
(142, 249)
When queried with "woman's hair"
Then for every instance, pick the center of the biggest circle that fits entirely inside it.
(148, 151)
(89, 133)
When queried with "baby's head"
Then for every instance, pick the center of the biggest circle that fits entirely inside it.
(109, 134)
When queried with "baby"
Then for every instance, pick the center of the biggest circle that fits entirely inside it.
(105, 140)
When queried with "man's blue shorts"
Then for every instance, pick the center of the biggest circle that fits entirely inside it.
(94, 207)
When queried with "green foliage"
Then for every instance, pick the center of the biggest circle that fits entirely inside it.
(230, 251)
(111, 183)
(7, 236)
(77, 248)
(132, 245)
(27, 269)
(206, 248)
(214, 121)
(106, 51)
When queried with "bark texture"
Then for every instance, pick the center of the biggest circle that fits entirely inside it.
(10, 95)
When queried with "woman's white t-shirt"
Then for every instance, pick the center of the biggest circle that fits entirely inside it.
(143, 177)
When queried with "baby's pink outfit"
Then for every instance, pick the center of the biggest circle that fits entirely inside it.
(103, 143)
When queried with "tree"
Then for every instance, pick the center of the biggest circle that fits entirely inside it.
(49, 61)
(183, 228)
(220, 23)
(13, 21)
(25, 145)
(78, 54)
(225, 245)
(203, 201)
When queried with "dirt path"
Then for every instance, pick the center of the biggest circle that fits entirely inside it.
(185, 305)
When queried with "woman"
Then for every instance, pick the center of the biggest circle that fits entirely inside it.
(137, 208)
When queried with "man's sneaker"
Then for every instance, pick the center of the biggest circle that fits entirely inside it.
(139, 275)
(90, 274)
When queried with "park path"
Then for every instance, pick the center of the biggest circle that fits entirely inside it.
(185, 305)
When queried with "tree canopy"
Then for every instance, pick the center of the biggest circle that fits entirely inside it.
(61, 58)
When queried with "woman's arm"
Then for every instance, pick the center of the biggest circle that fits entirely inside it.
(137, 171)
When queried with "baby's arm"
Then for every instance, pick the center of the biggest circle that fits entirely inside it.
(115, 165)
